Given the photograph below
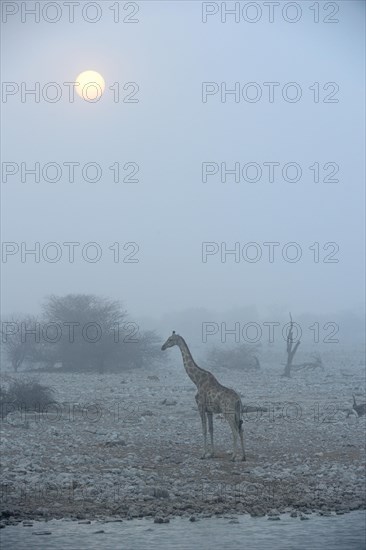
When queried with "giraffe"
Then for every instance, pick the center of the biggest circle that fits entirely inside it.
(211, 398)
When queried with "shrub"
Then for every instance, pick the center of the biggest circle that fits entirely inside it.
(240, 357)
(25, 395)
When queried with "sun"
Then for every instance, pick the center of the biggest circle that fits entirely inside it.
(90, 85)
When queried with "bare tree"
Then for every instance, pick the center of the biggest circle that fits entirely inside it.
(291, 349)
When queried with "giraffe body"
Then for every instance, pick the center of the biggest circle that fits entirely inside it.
(211, 398)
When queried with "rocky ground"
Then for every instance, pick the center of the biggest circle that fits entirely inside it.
(129, 445)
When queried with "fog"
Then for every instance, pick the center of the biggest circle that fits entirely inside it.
(200, 196)
(172, 128)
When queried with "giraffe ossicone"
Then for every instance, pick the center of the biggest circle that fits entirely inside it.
(212, 397)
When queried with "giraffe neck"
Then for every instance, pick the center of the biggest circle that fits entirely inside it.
(194, 371)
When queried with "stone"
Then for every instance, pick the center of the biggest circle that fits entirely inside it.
(158, 520)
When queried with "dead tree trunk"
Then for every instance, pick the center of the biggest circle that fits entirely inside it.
(309, 365)
(291, 350)
(253, 408)
(360, 409)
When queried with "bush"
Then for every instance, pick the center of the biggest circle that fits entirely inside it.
(240, 358)
(80, 333)
(119, 345)
(24, 395)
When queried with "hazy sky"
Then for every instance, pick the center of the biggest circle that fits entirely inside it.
(169, 133)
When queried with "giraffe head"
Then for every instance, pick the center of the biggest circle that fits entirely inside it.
(172, 341)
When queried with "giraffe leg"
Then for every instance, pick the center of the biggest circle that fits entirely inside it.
(234, 430)
(204, 431)
(235, 440)
(201, 409)
(210, 428)
(241, 435)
